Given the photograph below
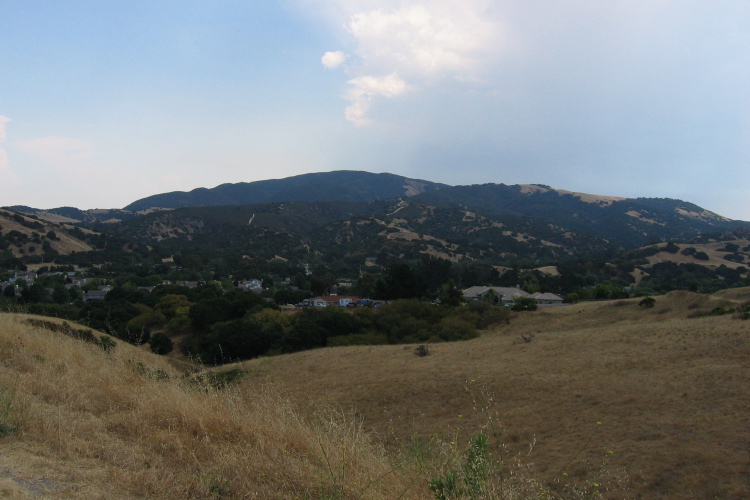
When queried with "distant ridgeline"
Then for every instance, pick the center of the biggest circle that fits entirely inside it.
(319, 232)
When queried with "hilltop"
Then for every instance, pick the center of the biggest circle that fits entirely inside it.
(342, 185)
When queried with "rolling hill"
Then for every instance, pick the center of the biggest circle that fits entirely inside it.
(345, 185)
(606, 400)
(25, 236)
(664, 392)
(624, 222)
(628, 222)
(393, 229)
(77, 421)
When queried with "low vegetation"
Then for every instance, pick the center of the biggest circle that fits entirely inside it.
(78, 421)
(671, 393)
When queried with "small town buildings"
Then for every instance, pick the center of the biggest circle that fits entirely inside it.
(330, 300)
(94, 295)
(507, 295)
(547, 299)
(250, 285)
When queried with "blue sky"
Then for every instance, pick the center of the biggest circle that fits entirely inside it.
(103, 103)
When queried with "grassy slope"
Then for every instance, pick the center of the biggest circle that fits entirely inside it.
(672, 393)
(65, 244)
(715, 257)
(80, 423)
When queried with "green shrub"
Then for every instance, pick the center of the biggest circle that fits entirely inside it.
(524, 304)
(160, 343)
(471, 480)
(700, 255)
(648, 302)
(106, 343)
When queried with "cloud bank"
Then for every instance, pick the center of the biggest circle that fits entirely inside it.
(401, 46)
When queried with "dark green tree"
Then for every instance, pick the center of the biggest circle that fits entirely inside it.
(160, 343)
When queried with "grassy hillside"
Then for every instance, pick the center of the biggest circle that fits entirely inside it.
(24, 236)
(79, 422)
(715, 254)
(612, 399)
(672, 392)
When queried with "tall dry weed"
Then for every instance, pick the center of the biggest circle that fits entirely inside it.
(125, 424)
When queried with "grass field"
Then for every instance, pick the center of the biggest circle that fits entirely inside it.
(672, 393)
(644, 403)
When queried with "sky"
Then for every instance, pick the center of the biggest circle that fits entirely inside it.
(104, 103)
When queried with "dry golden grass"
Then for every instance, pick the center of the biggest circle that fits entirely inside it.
(81, 423)
(715, 257)
(65, 244)
(672, 393)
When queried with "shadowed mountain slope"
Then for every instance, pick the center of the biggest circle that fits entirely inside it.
(629, 222)
(344, 185)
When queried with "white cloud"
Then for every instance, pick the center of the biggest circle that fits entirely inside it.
(364, 88)
(386, 86)
(332, 60)
(424, 42)
(357, 112)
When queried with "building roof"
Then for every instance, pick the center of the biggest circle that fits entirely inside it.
(335, 298)
(503, 291)
(547, 296)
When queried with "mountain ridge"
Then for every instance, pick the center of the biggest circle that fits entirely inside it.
(340, 185)
(626, 222)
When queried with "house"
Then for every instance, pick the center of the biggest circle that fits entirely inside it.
(250, 285)
(27, 276)
(94, 295)
(330, 300)
(85, 282)
(505, 295)
(314, 302)
(548, 299)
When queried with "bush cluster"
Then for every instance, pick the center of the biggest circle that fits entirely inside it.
(400, 322)
(86, 335)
